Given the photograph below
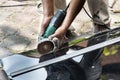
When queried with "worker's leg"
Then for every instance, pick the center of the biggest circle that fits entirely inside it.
(60, 4)
(100, 13)
(91, 61)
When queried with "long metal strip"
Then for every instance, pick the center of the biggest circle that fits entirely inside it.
(5, 53)
(65, 57)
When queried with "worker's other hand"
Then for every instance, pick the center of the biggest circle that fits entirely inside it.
(59, 33)
(45, 23)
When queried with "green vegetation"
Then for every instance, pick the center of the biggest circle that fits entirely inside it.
(111, 50)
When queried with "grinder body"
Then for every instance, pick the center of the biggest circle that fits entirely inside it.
(45, 45)
(54, 23)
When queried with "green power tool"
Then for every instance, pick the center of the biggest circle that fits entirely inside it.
(45, 45)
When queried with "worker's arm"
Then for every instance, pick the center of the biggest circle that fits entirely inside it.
(48, 12)
(73, 10)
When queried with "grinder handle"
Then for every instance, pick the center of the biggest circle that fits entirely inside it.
(54, 23)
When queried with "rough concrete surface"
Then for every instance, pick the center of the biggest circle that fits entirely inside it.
(19, 22)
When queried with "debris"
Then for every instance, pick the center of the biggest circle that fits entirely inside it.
(112, 3)
(116, 11)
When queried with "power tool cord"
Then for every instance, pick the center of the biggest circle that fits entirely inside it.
(95, 21)
(67, 7)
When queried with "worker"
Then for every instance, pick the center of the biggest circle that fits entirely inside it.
(89, 68)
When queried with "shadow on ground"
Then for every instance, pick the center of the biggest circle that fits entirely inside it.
(111, 68)
(111, 71)
(11, 37)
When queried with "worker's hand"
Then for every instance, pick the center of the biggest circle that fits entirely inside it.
(44, 24)
(59, 33)
(48, 12)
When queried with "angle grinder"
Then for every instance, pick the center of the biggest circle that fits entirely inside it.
(46, 45)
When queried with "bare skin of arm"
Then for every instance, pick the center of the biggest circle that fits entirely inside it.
(48, 10)
(48, 13)
(74, 9)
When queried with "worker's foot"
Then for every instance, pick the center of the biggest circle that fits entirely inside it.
(100, 28)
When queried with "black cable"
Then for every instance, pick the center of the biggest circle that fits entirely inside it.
(101, 23)
(67, 7)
